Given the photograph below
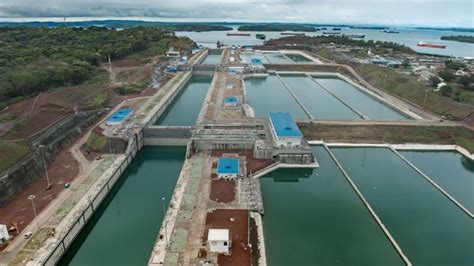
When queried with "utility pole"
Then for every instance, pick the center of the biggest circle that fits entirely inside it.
(164, 220)
(48, 186)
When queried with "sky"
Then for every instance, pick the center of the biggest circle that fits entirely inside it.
(447, 13)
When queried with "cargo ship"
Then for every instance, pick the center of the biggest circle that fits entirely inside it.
(338, 29)
(238, 34)
(260, 36)
(430, 45)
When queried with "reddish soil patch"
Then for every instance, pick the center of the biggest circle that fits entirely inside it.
(238, 228)
(129, 63)
(253, 164)
(19, 108)
(33, 124)
(19, 209)
(88, 153)
(202, 253)
(117, 98)
(135, 104)
(222, 190)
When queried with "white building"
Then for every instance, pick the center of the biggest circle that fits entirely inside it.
(4, 236)
(285, 132)
(172, 53)
(219, 240)
(438, 87)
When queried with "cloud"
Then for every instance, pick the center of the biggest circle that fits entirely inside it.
(433, 12)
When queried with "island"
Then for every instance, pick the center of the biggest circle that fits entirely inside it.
(458, 38)
(277, 27)
(123, 24)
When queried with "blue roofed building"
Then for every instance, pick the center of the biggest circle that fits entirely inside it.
(284, 129)
(256, 61)
(118, 117)
(228, 167)
(231, 101)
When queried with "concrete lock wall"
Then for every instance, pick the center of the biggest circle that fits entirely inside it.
(135, 143)
(164, 135)
(169, 101)
(204, 69)
(55, 138)
(225, 145)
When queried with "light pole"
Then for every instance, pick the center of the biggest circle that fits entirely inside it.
(45, 167)
(32, 198)
(164, 220)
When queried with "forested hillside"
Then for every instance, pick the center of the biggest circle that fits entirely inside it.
(38, 59)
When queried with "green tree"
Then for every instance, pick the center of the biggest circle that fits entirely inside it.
(38, 59)
(434, 81)
(405, 63)
(446, 91)
(454, 65)
(466, 81)
(447, 74)
(457, 96)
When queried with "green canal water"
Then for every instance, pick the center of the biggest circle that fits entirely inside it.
(313, 217)
(429, 228)
(278, 58)
(361, 101)
(297, 58)
(212, 59)
(124, 228)
(268, 94)
(451, 170)
(319, 102)
(247, 57)
(185, 109)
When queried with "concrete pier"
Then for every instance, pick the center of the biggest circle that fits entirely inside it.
(295, 97)
(430, 180)
(367, 205)
(338, 98)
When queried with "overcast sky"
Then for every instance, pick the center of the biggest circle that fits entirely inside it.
(396, 12)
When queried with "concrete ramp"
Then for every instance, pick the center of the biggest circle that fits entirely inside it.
(279, 165)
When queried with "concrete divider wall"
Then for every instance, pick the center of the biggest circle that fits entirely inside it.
(68, 237)
(169, 99)
(207, 99)
(374, 95)
(179, 132)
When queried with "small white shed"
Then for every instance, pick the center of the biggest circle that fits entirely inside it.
(4, 236)
(219, 240)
